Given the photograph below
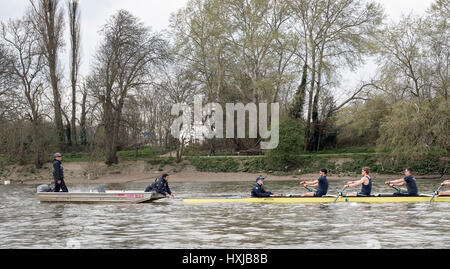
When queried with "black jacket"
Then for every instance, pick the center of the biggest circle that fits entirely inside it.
(161, 186)
(258, 191)
(58, 171)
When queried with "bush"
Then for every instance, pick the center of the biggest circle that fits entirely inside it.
(162, 161)
(415, 128)
(215, 165)
(287, 154)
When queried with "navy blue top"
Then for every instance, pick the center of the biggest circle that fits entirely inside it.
(258, 191)
(411, 185)
(161, 186)
(58, 170)
(367, 189)
(322, 189)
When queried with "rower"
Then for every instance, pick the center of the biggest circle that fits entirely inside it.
(445, 184)
(258, 190)
(161, 185)
(409, 180)
(365, 181)
(321, 183)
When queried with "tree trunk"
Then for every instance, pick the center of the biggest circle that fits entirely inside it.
(83, 133)
(75, 38)
(315, 108)
(36, 142)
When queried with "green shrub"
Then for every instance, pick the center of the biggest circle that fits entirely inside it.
(162, 161)
(287, 154)
(215, 164)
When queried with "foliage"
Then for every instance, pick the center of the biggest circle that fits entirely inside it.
(359, 124)
(287, 154)
(413, 129)
(215, 164)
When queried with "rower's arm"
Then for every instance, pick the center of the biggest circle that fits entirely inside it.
(446, 183)
(398, 182)
(314, 183)
(356, 183)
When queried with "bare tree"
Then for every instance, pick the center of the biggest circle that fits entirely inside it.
(74, 22)
(48, 20)
(27, 66)
(123, 64)
(8, 93)
(336, 34)
(178, 86)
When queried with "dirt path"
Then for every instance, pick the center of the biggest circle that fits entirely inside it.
(143, 172)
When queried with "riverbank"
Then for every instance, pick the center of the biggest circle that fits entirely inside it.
(144, 172)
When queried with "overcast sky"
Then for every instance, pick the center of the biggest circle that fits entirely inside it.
(156, 13)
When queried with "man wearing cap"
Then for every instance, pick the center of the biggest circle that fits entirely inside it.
(58, 174)
(258, 190)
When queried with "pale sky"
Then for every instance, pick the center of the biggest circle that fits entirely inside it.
(156, 13)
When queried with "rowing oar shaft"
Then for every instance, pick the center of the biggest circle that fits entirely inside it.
(436, 193)
(340, 193)
(309, 189)
(394, 187)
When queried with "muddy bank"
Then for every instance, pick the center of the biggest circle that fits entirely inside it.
(143, 172)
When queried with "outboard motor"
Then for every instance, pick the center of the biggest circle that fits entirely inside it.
(44, 188)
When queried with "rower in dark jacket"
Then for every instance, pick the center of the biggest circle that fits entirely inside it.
(58, 174)
(409, 180)
(258, 190)
(161, 185)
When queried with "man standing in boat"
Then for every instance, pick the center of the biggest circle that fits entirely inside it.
(259, 192)
(409, 180)
(58, 174)
(161, 185)
(365, 181)
(321, 183)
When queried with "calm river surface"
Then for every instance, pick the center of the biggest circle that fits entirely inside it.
(25, 223)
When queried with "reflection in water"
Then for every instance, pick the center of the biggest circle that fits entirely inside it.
(24, 223)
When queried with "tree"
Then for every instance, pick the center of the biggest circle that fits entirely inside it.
(27, 66)
(178, 87)
(48, 20)
(287, 154)
(123, 64)
(8, 93)
(414, 128)
(337, 34)
(74, 23)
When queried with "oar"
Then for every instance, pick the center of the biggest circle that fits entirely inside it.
(340, 193)
(309, 189)
(436, 193)
(394, 187)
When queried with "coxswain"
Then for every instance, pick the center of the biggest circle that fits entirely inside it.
(258, 190)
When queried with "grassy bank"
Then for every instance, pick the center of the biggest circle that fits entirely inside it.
(342, 162)
(346, 164)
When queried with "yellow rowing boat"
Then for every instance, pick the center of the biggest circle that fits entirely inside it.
(321, 200)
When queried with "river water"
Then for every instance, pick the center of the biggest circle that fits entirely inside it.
(25, 223)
